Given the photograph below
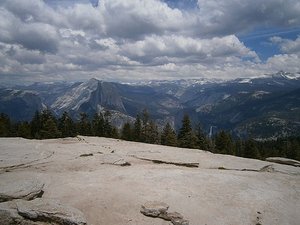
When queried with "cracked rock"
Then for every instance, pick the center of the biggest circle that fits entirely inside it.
(39, 211)
(9, 215)
(20, 188)
(285, 161)
(50, 210)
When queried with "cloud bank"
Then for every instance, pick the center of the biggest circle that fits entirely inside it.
(141, 39)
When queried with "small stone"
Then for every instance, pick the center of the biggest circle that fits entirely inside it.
(170, 216)
(122, 162)
(154, 208)
(180, 222)
(267, 168)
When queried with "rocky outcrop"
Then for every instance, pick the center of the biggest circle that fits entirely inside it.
(160, 210)
(285, 161)
(21, 204)
(39, 211)
(26, 189)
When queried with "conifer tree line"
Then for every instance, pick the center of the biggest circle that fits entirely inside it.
(45, 125)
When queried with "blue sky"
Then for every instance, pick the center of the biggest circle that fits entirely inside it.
(117, 40)
(259, 40)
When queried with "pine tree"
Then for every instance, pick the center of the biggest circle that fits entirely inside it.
(126, 132)
(145, 127)
(137, 129)
(186, 136)
(49, 129)
(114, 133)
(35, 125)
(66, 125)
(294, 150)
(203, 142)
(152, 134)
(48, 125)
(84, 125)
(108, 128)
(98, 125)
(223, 143)
(168, 136)
(23, 130)
(239, 147)
(251, 150)
(5, 125)
(145, 117)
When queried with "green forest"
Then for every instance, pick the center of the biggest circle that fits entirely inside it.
(45, 125)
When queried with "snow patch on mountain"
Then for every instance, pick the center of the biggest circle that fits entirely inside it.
(246, 81)
(77, 96)
(259, 94)
(226, 96)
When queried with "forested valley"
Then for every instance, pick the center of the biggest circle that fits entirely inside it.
(45, 125)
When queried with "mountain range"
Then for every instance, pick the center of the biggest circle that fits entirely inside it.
(262, 107)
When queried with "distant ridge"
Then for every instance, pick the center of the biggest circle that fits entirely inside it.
(262, 107)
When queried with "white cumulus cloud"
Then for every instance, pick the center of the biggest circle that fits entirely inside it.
(140, 39)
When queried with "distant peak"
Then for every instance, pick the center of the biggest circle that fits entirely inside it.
(93, 80)
(286, 75)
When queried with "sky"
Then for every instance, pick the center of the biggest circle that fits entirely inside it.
(134, 40)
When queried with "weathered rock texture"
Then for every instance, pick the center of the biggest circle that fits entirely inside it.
(110, 194)
(158, 161)
(39, 211)
(154, 209)
(20, 188)
(160, 210)
(286, 161)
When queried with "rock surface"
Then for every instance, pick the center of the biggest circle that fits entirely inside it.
(39, 211)
(112, 194)
(286, 161)
(19, 188)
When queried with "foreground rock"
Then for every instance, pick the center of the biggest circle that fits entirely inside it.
(285, 161)
(248, 192)
(160, 210)
(154, 209)
(19, 188)
(39, 211)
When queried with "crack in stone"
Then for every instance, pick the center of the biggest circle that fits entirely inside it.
(158, 161)
(23, 165)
